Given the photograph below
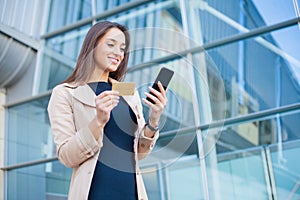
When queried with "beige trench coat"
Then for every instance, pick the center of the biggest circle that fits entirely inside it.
(72, 117)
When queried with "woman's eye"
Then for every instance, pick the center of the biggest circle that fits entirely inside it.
(123, 49)
(110, 45)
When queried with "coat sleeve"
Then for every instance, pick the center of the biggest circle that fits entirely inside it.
(73, 146)
(145, 144)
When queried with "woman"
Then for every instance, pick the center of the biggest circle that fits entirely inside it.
(98, 133)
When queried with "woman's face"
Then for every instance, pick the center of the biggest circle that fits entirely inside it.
(110, 50)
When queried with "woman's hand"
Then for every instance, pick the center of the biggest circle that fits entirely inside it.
(160, 100)
(105, 102)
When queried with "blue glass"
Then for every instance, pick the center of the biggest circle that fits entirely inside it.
(243, 177)
(29, 137)
(286, 169)
(66, 12)
(184, 180)
(44, 181)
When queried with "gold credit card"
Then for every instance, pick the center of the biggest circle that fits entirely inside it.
(124, 88)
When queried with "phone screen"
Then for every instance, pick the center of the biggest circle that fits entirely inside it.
(164, 76)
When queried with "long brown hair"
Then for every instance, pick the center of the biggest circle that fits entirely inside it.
(85, 63)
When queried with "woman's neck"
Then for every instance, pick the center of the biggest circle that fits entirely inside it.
(99, 76)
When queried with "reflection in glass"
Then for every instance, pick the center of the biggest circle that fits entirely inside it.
(29, 136)
(45, 181)
(68, 12)
(266, 82)
(241, 175)
(286, 170)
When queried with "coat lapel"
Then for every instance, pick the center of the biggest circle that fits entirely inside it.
(85, 94)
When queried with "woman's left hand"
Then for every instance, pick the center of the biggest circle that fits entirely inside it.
(160, 101)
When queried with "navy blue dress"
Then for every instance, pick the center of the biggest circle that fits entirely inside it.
(114, 176)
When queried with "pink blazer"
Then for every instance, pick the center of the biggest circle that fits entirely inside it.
(72, 118)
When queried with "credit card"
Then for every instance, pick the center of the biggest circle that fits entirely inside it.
(124, 88)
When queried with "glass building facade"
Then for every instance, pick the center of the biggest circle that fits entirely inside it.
(231, 126)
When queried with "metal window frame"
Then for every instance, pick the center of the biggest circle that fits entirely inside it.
(90, 20)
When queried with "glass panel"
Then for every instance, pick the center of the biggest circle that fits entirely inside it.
(218, 19)
(45, 181)
(241, 175)
(286, 170)
(268, 131)
(184, 180)
(59, 57)
(284, 10)
(257, 75)
(29, 137)
(68, 12)
(230, 154)
(102, 6)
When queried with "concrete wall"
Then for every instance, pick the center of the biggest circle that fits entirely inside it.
(2, 120)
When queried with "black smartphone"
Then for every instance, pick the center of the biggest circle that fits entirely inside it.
(164, 76)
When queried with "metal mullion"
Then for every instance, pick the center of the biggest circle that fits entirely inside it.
(19, 37)
(270, 174)
(28, 164)
(236, 120)
(29, 99)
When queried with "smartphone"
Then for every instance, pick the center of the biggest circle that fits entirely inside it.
(164, 76)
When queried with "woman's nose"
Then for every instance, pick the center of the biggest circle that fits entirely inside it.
(118, 51)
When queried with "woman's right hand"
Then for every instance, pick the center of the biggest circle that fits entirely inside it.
(105, 102)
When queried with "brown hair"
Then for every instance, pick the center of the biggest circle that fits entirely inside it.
(85, 63)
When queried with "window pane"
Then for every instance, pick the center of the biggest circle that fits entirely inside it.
(256, 73)
(29, 137)
(286, 169)
(217, 19)
(247, 144)
(68, 12)
(45, 181)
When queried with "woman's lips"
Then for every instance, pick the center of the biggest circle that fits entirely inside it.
(114, 60)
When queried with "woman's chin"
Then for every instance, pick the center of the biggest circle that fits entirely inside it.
(112, 68)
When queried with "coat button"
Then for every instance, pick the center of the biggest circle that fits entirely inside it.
(143, 145)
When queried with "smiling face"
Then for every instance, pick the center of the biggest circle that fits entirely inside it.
(110, 51)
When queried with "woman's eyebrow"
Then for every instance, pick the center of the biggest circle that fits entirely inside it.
(115, 41)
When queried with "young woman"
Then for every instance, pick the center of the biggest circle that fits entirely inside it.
(98, 133)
